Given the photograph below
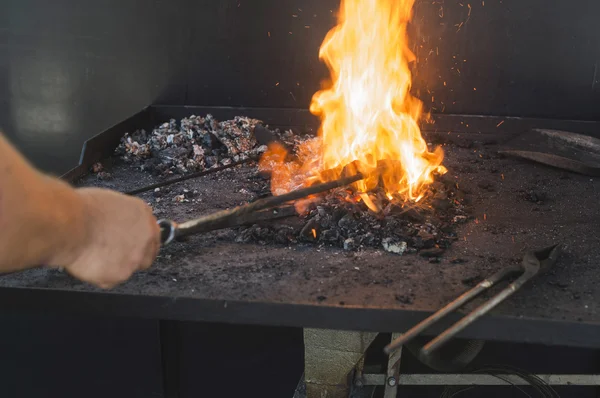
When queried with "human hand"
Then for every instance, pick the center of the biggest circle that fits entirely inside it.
(120, 237)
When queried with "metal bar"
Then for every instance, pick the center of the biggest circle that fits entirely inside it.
(452, 306)
(481, 380)
(393, 372)
(580, 140)
(189, 177)
(559, 162)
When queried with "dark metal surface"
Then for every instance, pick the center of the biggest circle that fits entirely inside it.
(72, 68)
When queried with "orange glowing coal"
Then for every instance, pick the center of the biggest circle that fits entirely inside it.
(369, 118)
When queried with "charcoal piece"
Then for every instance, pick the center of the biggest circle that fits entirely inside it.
(426, 236)
(322, 211)
(392, 245)
(284, 235)
(245, 236)
(432, 252)
(338, 214)
(226, 235)
(368, 239)
(416, 242)
(320, 299)
(209, 140)
(210, 161)
(348, 222)
(263, 135)
(435, 260)
(330, 235)
(350, 244)
(458, 260)
(157, 193)
(310, 230)
(325, 221)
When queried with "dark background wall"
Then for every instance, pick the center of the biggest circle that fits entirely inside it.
(71, 68)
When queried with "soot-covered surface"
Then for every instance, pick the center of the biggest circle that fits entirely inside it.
(515, 206)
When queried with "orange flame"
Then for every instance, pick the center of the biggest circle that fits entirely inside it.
(369, 118)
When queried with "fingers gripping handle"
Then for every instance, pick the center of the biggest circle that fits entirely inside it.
(168, 231)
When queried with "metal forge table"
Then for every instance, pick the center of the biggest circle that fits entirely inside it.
(342, 300)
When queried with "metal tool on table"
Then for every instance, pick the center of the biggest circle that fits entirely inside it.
(533, 263)
(584, 161)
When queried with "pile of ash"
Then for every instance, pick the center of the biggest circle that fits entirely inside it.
(193, 144)
(336, 220)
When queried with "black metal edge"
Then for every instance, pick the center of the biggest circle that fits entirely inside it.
(491, 328)
(469, 126)
(102, 144)
(456, 124)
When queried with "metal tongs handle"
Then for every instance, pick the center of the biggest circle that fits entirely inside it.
(532, 263)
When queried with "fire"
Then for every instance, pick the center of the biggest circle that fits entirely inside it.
(369, 119)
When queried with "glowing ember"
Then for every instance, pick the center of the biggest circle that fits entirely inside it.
(369, 119)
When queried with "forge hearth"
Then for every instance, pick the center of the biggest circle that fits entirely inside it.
(514, 206)
(338, 218)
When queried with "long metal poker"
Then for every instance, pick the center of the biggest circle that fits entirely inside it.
(240, 215)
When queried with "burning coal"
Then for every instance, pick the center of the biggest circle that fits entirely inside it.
(369, 118)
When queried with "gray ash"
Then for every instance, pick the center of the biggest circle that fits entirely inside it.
(193, 144)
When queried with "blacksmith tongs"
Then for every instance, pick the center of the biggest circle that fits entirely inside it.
(532, 264)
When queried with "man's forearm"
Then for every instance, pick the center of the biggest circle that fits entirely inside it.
(40, 217)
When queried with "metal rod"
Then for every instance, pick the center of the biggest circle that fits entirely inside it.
(580, 140)
(419, 379)
(240, 215)
(559, 162)
(452, 306)
(190, 176)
